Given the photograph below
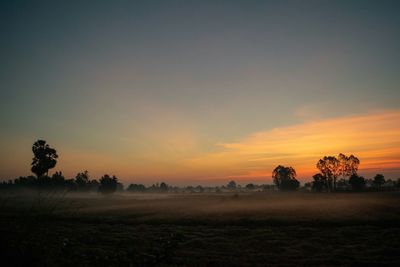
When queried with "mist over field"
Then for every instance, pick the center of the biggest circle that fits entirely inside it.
(225, 229)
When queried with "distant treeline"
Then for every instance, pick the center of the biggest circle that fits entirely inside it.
(336, 174)
(109, 184)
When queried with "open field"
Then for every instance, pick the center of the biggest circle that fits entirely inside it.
(259, 229)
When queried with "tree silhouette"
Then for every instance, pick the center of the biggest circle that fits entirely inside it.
(44, 158)
(82, 180)
(320, 183)
(357, 182)
(332, 167)
(348, 165)
(329, 166)
(231, 185)
(250, 186)
(163, 187)
(379, 180)
(285, 178)
(108, 185)
(58, 180)
(136, 188)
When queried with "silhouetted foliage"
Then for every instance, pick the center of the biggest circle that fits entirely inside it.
(199, 189)
(82, 181)
(108, 185)
(58, 180)
(136, 188)
(397, 183)
(342, 184)
(163, 187)
(285, 178)
(120, 187)
(44, 158)
(250, 186)
(379, 180)
(320, 183)
(329, 167)
(348, 165)
(332, 167)
(231, 185)
(94, 185)
(357, 182)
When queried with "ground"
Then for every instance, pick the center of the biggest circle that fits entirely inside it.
(257, 229)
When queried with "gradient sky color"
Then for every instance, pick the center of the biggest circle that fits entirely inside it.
(200, 91)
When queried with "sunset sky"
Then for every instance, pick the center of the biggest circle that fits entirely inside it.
(200, 92)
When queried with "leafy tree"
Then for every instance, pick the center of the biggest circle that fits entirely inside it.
(108, 185)
(332, 167)
(357, 182)
(44, 158)
(231, 185)
(329, 166)
(320, 182)
(285, 178)
(289, 185)
(348, 165)
(379, 180)
(82, 180)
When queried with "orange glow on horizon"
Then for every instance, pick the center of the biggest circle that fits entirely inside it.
(373, 138)
(182, 159)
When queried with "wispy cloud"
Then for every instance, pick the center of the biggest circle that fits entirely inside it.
(374, 138)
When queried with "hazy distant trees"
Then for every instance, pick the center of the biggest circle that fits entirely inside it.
(136, 188)
(231, 185)
(44, 158)
(163, 187)
(82, 180)
(320, 182)
(84, 183)
(250, 186)
(58, 180)
(285, 178)
(379, 180)
(199, 189)
(108, 184)
(357, 182)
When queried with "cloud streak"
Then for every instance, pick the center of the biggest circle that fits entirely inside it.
(374, 138)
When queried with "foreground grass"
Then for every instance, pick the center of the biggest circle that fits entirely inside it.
(203, 230)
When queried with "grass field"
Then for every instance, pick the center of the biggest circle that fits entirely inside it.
(258, 229)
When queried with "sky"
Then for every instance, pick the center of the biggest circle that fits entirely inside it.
(200, 92)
